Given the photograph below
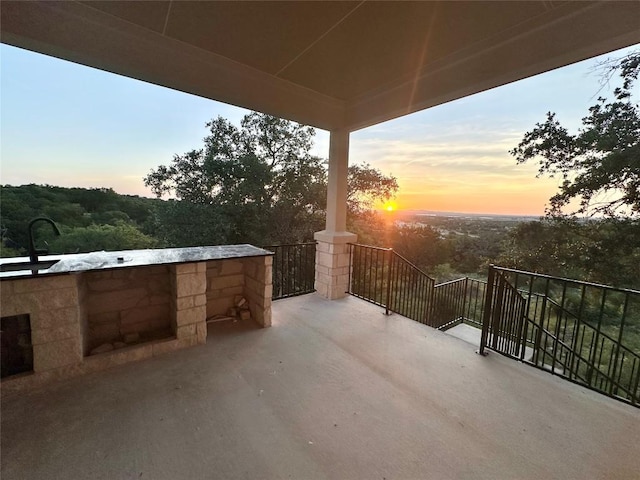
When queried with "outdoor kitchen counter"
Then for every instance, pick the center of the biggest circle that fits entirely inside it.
(93, 311)
(82, 262)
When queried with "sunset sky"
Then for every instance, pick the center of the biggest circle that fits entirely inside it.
(70, 125)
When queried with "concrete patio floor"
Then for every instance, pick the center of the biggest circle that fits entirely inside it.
(332, 390)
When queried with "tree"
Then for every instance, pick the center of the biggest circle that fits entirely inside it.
(93, 238)
(600, 165)
(258, 183)
(365, 186)
(602, 251)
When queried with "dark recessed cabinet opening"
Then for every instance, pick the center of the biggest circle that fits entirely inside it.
(16, 348)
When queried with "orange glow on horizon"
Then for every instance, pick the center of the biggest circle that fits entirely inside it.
(390, 206)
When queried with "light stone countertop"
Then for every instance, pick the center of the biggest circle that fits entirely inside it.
(82, 262)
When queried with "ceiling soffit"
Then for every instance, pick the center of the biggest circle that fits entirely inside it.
(329, 64)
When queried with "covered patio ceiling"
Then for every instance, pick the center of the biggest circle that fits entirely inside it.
(333, 65)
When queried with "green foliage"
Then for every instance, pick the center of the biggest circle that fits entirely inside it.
(366, 185)
(257, 184)
(600, 165)
(73, 209)
(602, 251)
(101, 237)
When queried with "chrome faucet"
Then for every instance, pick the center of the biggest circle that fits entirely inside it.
(33, 251)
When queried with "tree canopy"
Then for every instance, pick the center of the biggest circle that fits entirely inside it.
(600, 164)
(256, 183)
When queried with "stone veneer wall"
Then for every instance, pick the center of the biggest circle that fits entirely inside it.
(60, 307)
(258, 288)
(332, 269)
(189, 302)
(249, 277)
(225, 280)
(53, 308)
(125, 301)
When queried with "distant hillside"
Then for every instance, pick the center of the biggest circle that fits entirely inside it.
(78, 212)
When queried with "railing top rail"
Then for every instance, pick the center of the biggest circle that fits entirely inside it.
(291, 244)
(568, 280)
(582, 322)
(413, 266)
(388, 249)
(385, 249)
(450, 282)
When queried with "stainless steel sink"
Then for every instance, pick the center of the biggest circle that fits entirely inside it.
(15, 267)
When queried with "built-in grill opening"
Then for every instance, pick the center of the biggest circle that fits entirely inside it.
(16, 349)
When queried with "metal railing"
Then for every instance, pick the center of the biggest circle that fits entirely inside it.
(459, 301)
(584, 332)
(381, 276)
(293, 269)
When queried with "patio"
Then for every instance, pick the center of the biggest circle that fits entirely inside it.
(334, 389)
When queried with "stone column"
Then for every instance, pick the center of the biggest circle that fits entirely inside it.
(189, 315)
(258, 288)
(332, 253)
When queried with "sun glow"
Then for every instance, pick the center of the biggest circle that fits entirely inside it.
(390, 206)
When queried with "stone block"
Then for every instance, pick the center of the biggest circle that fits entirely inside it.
(250, 268)
(231, 267)
(187, 342)
(136, 315)
(186, 268)
(104, 348)
(55, 334)
(325, 259)
(201, 332)
(219, 306)
(106, 284)
(42, 300)
(252, 285)
(159, 299)
(117, 300)
(322, 269)
(107, 317)
(190, 284)
(342, 260)
(226, 282)
(213, 295)
(160, 323)
(262, 316)
(186, 331)
(200, 300)
(126, 273)
(322, 247)
(268, 274)
(53, 318)
(322, 289)
(155, 270)
(6, 288)
(192, 315)
(137, 327)
(96, 275)
(158, 284)
(184, 303)
(132, 354)
(165, 346)
(201, 267)
(45, 283)
(232, 291)
(47, 356)
(213, 268)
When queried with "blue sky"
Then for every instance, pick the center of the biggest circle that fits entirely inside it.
(70, 125)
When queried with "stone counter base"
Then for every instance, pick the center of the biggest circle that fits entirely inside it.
(65, 311)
